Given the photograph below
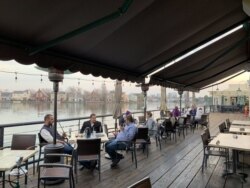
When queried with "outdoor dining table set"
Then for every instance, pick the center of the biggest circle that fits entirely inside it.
(236, 140)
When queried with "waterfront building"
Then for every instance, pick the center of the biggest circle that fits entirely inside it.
(40, 95)
(6, 96)
(62, 96)
(21, 95)
(235, 94)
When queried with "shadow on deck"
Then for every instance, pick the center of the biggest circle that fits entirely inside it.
(177, 165)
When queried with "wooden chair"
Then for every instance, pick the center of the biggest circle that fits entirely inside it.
(143, 183)
(88, 150)
(60, 171)
(208, 152)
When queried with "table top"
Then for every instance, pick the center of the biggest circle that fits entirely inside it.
(8, 157)
(239, 129)
(102, 136)
(231, 141)
(241, 122)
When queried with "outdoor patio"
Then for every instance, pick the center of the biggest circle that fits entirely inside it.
(178, 164)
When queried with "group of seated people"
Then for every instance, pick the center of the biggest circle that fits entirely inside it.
(47, 133)
(127, 131)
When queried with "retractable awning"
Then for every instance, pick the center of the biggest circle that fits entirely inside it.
(125, 39)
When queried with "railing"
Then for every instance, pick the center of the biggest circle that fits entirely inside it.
(7, 130)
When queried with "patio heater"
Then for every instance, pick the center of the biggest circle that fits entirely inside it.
(180, 92)
(144, 88)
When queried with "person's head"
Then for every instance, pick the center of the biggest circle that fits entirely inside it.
(128, 113)
(176, 107)
(92, 118)
(48, 119)
(149, 114)
(129, 119)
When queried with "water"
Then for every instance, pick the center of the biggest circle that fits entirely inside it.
(28, 112)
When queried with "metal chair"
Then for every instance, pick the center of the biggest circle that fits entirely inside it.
(208, 152)
(142, 138)
(60, 171)
(22, 142)
(169, 128)
(88, 150)
(143, 183)
(42, 143)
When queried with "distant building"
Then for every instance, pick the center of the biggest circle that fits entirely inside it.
(40, 96)
(6, 96)
(93, 97)
(61, 96)
(75, 97)
(235, 94)
(21, 95)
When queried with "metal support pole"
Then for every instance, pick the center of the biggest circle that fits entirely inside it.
(145, 105)
(1, 136)
(55, 88)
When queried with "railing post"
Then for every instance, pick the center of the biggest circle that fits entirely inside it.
(1, 136)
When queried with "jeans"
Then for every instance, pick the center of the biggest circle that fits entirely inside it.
(68, 149)
(113, 145)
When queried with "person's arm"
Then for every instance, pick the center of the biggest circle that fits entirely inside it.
(83, 127)
(46, 136)
(130, 132)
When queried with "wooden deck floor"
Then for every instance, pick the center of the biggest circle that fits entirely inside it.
(177, 165)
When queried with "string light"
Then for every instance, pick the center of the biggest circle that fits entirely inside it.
(65, 77)
(15, 76)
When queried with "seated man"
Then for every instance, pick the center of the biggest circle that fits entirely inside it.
(92, 124)
(47, 133)
(127, 133)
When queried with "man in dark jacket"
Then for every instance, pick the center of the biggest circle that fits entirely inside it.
(92, 124)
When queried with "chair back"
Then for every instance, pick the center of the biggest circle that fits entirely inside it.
(143, 183)
(228, 123)
(142, 133)
(222, 127)
(168, 125)
(23, 141)
(42, 141)
(207, 133)
(204, 118)
(89, 146)
(204, 138)
(141, 119)
(181, 121)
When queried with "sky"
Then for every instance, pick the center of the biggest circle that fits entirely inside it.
(85, 82)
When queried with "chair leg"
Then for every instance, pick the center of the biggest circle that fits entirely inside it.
(202, 169)
(135, 156)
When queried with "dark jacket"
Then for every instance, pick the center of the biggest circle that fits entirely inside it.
(97, 126)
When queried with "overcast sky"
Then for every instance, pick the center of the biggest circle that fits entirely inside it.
(86, 82)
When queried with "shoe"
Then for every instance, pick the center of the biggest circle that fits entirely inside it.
(120, 156)
(115, 162)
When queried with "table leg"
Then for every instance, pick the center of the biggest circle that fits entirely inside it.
(26, 174)
(3, 174)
